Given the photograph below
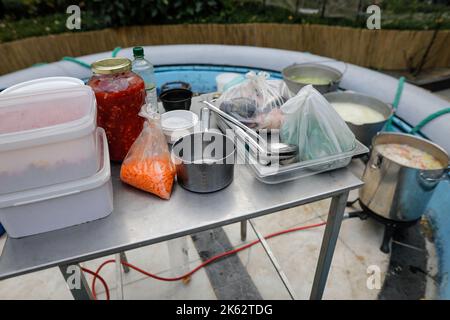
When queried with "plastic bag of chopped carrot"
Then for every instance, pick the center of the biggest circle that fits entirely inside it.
(148, 165)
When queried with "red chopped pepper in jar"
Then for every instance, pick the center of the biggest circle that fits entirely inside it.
(120, 94)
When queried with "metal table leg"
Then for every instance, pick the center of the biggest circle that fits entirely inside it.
(119, 280)
(335, 216)
(244, 230)
(123, 257)
(76, 282)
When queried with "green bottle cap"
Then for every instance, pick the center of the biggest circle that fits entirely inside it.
(138, 51)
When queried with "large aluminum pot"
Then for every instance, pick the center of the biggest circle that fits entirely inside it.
(395, 191)
(311, 70)
(364, 132)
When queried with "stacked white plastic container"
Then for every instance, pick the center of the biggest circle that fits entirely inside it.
(54, 161)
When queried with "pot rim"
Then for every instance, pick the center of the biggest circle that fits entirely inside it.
(335, 81)
(312, 64)
(409, 136)
(221, 160)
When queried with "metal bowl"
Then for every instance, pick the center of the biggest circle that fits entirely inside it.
(364, 132)
(311, 70)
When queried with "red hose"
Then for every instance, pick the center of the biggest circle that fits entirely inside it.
(190, 273)
(101, 280)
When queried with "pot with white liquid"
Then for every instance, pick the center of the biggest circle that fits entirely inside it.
(365, 116)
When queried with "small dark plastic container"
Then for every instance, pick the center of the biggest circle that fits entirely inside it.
(175, 85)
(176, 99)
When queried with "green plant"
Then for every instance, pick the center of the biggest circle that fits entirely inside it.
(129, 12)
(25, 18)
(412, 6)
(19, 9)
(51, 24)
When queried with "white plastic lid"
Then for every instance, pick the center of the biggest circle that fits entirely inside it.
(44, 84)
(178, 120)
(37, 118)
(66, 188)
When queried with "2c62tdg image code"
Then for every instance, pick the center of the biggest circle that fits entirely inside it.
(225, 310)
(245, 309)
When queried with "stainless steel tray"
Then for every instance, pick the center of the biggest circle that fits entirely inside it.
(276, 173)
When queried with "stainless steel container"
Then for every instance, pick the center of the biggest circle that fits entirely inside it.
(204, 160)
(311, 70)
(397, 192)
(364, 132)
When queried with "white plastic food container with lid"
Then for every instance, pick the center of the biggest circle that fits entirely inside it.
(47, 137)
(178, 123)
(44, 84)
(61, 205)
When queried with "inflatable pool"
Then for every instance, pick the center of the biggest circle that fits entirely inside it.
(200, 64)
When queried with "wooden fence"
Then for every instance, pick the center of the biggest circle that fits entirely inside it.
(379, 49)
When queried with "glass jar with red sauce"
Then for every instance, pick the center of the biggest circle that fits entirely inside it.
(120, 94)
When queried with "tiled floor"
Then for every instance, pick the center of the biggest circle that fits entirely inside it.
(297, 252)
(357, 249)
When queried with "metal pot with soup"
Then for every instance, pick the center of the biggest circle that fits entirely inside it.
(323, 78)
(401, 175)
(365, 116)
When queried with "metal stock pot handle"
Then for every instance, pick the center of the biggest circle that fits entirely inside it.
(445, 175)
(377, 161)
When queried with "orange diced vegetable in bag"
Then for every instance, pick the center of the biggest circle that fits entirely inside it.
(155, 175)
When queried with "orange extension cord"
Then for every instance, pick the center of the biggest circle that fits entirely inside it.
(190, 273)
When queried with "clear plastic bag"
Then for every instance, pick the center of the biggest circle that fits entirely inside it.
(148, 165)
(281, 87)
(255, 101)
(311, 122)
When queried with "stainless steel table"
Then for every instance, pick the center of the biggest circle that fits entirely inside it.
(141, 219)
